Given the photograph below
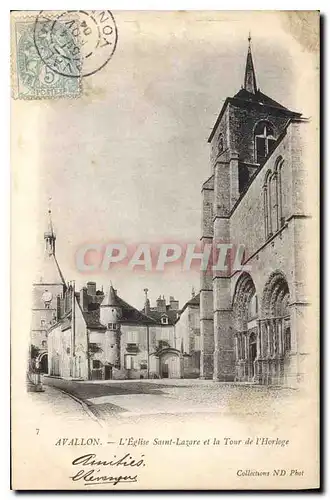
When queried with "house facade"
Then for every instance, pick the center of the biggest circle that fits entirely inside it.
(100, 337)
(252, 320)
(187, 331)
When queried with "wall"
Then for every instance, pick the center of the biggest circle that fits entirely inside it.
(59, 352)
(39, 312)
(187, 328)
(242, 123)
(222, 131)
(188, 335)
(249, 212)
(81, 346)
(131, 362)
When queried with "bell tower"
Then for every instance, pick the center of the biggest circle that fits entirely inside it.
(48, 286)
(243, 137)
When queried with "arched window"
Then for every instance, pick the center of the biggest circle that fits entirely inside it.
(253, 307)
(274, 203)
(264, 140)
(220, 144)
(268, 204)
(278, 170)
(273, 199)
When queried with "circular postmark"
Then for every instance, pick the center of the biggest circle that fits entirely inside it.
(75, 43)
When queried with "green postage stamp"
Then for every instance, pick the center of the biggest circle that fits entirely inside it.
(32, 77)
(53, 51)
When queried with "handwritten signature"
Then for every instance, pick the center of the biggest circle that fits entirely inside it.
(96, 475)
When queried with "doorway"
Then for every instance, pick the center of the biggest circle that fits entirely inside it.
(252, 355)
(44, 363)
(108, 372)
(164, 373)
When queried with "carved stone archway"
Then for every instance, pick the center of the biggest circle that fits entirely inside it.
(245, 330)
(275, 329)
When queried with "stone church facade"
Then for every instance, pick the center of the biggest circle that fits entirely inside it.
(252, 321)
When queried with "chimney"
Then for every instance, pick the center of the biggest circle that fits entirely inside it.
(146, 302)
(174, 304)
(84, 299)
(91, 288)
(99, 296)
(161, 304)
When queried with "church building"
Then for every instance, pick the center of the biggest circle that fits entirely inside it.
(252, 321)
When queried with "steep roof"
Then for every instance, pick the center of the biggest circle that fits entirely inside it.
(50, 271)
(129, 313)
(110, 297)
(250, 95)
(194, 302)
(246, 99)
(92, 319)
(170, 313)
(259, 98)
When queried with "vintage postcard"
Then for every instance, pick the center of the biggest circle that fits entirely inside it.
(165, 249)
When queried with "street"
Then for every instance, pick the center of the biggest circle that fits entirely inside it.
(174, 422)
(141, 398)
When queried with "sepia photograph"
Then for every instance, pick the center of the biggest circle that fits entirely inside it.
(165, 250)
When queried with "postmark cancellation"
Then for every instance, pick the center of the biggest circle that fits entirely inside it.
(31, 78)
(53, 51)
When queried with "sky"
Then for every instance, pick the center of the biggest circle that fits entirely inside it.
(126, 160)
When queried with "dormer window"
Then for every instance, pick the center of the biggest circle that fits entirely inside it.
(164, 320)
(264, 140)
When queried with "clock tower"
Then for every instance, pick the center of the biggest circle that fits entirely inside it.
(47, 288)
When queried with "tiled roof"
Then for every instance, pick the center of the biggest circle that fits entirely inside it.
(245, 99)
(129, 313)
(157, 315)
(110, 297)
(259, 98)
(50, 272)
(132, 315)
(194, 301)
(92, 319)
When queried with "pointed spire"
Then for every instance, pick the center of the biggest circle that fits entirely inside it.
(49, 234)
(250, 81)
(110, 298)
(50, 223)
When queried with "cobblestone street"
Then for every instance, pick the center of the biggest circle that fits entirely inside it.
(135, 398)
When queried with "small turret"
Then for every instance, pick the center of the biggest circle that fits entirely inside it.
(110, 314)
